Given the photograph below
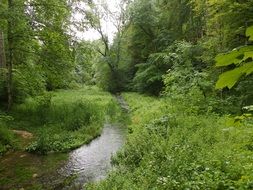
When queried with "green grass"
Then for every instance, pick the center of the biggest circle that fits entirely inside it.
(7, 138)
(170, 147)
(66, 119)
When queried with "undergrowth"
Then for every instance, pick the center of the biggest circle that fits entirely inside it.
(66, 119)
(7, 138)
(169, 147)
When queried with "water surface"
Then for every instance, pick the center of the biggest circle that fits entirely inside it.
(92, 162)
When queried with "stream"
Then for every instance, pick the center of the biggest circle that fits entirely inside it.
(92, 162)
(89, 163)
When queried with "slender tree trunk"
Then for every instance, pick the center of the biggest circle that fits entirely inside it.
(118, 51)
(10, 58)
(2, 51)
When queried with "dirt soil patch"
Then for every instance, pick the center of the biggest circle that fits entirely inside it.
(23, 134)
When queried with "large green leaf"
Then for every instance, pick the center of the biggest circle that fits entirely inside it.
(249, 32)
(233, 57)
(230, 78)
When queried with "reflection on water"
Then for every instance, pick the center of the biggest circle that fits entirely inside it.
(92, 162)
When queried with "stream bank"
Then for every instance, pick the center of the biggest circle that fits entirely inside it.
(89, 163)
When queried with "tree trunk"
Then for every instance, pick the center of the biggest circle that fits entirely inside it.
(10, 57)
(2, 51)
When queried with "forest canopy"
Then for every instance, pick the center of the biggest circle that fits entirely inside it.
(157, 44)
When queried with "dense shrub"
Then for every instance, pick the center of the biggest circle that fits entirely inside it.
(178, 58)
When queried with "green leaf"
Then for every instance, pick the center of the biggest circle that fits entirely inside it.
(249, 32)
(248, 55)
(230, 78)
(233, 57)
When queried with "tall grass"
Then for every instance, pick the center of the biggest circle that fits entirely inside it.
(65, 119)
(170, 148)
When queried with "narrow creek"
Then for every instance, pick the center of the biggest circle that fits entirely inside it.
(92, 162)
(89, 163)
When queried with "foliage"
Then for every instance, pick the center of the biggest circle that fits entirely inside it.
(169, 148)
(149, 75)
(188, 79)
(2, 84)
(153, 29)
(28, 81)
(7, 139)
(64, 120)
(85, 55)
(249, 33)
(192, 137)
(37, 47)
(241, 58)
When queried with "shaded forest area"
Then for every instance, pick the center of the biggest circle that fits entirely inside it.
(160, 46)
(185, 68)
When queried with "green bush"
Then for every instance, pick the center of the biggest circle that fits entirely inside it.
(34, 109)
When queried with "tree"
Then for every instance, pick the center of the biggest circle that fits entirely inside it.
(38, 46)
(97, 15)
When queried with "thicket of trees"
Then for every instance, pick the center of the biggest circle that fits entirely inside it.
(39, 51)
(159, 45)
(38, 48)
(172, 45)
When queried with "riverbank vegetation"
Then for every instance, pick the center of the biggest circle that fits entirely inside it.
(63, 120)
(171, 146)
(7, 137)
(185, 68)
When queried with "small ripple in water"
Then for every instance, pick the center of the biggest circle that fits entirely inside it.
(92, 162)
